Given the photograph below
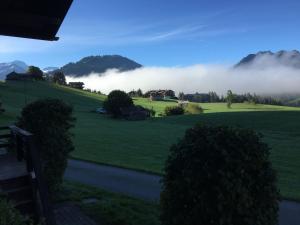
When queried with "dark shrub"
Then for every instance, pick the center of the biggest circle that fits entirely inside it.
(174, 110)
(9, 215)
(50, 121)
(115, 101)
(219, 176)
(35, 72)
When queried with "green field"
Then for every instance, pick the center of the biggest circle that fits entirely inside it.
(144, 145)
(110, 208)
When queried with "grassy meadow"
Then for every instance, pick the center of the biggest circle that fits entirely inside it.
(144, 145)
(110, 208)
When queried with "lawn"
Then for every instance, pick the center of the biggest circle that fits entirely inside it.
(108, 208)
(144, 145)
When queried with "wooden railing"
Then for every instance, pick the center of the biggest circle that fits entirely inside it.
(4, 138)
(26, 149)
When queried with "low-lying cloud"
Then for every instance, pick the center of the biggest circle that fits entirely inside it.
(197, 78)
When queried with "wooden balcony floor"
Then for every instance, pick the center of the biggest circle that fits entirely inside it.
(10, 167)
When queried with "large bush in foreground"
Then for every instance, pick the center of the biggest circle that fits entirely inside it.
(219, 176)
(174, 110)
(50, 121)
(115, 101)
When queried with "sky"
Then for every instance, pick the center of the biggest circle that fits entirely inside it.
(164, 33)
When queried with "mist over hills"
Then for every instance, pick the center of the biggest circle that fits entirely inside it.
(50, 69)
(99, 64)
(267, 59)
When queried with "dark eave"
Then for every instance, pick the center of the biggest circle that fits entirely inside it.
(35, 19)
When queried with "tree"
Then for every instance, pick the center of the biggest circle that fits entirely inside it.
(170, 93)
(59, 77)
(229, 98)
(115, 101)
(181, 96)
(139, 93)
(50, 120)
(35, 72)
(220, 176)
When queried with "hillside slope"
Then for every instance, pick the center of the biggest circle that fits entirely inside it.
(144, 145)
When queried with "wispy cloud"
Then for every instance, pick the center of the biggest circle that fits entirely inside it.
(146, 34)
(120, 33)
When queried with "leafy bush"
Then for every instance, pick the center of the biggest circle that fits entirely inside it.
(115, 101)
(35, 72)
(59, 78)
(50, 121)
(219, 176)
(174, 110)
(152, 112)
(193, 109)
(9, 215)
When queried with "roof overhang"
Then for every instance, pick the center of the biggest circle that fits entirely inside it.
(35, 19)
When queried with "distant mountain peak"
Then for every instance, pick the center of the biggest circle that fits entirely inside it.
(99, 64)
(266, 59)
(15, 66)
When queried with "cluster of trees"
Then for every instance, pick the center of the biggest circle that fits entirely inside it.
(201, 97)
(253, 98)
(58, 77)
(162, 93)
(137, 93)
(120, 105)
(230, 98)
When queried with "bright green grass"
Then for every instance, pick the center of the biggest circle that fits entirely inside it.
(145, 145)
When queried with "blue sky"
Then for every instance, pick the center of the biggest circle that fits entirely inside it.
(165, 32)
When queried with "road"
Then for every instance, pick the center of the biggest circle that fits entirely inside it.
(145, 186)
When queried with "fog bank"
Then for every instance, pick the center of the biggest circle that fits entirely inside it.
(197, 78)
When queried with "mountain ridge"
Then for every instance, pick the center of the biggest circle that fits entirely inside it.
(266, 59)
(14, 66)
(99, 64)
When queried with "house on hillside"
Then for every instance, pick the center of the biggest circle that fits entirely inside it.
(159, 95)
(77, 85)
(13, 76)
(135, 113)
